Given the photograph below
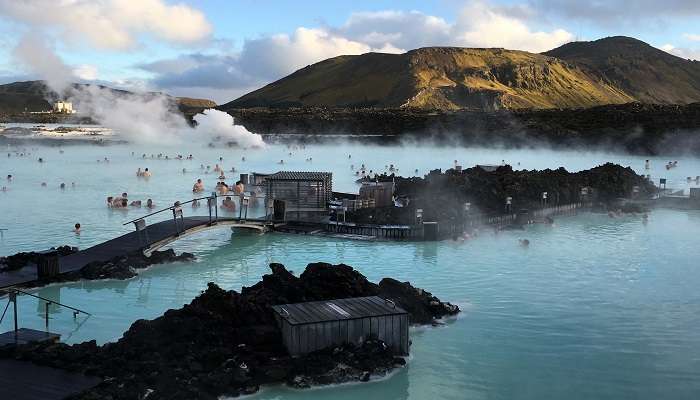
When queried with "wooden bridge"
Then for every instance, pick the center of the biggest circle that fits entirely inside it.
(146, 238)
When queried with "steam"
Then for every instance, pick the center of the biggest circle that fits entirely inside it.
(138, 117)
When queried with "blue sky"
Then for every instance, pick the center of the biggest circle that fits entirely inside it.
(221, 49)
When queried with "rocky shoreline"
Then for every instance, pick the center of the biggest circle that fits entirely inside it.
(633, 127)
(228, 343)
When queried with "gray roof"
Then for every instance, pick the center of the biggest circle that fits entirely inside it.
(300, 176)
(335, 310)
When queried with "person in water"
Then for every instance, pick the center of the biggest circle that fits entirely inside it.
(150, 204)
(524, 242)
(146, 173)
(195, 203)
(229, 204)
(239, 188)
(62, 185)
(135, 203)
(139, 172)
(198, 186)
(76, 229)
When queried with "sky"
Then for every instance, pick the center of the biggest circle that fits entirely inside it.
(222, 49)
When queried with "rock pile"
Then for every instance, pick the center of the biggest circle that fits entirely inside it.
(227, 343)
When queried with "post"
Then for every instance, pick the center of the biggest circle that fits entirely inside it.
(13, 299)
(46, 314)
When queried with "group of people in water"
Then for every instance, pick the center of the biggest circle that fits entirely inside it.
(143, 174)
(122, 202)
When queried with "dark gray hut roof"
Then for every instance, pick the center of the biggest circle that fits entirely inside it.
(299, 176)
(338, 309)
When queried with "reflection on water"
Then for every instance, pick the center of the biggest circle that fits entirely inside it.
(595, 307)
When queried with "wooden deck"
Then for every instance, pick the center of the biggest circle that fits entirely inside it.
(157, 234)
(21, 380)
(26, 335)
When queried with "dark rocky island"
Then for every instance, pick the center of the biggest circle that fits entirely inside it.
(228, 343)
(442, 195)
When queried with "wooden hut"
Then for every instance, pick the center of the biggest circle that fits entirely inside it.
(316, 325)
(305, 195)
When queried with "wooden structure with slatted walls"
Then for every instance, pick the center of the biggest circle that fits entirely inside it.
(311, 326)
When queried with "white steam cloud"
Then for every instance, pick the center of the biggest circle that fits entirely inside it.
(138, 117)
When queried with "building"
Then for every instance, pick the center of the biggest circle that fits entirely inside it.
(381, 192)
(300, 196)
(315, 325)
(63, 107)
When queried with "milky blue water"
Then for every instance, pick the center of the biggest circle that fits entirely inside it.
(595, 308)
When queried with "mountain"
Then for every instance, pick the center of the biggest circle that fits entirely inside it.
(440, 78)
(577, 75)
(29, 96)
(647, 74)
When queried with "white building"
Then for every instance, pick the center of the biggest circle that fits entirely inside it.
(63, 107)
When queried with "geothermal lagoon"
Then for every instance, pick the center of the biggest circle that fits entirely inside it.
(596, 307)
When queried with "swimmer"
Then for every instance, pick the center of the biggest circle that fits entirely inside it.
(222, 176)
(146, 173)
(281, 162)
(217, 168)
(41, 160)
(229, 204)
(184, 171)
(524, 242)
(647, 165)
(43, 184)
(109, 201)
(198, 186)
(221, 159)
(72, 184)
(139, 172)
(76, 229)
(135, 203)
(62, 186)
(233, 169)
(242, 158)
(239, 188)
(195, 203)
(9, 178)
(201, 166)
(150, 204)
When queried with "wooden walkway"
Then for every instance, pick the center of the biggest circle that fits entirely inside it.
(157, 234)
(21, 380)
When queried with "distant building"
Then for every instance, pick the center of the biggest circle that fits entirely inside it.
(63, 107)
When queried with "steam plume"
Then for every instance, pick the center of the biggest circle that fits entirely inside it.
(139, 117)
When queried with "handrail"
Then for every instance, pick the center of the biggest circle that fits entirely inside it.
(168, 208)
(51, 301)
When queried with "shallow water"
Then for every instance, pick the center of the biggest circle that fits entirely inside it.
(594, 308)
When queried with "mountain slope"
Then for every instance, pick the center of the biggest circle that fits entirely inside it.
(18, 97)
(437, 78)
(646, 73)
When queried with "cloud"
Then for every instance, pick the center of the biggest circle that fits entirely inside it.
(85, 72)
(260, 61)
(690, 54)
(482, 26)
(692, 36)
(618, 11)
(110, 24)
(268, 58)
